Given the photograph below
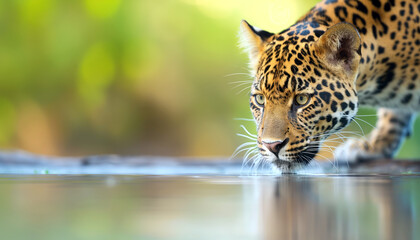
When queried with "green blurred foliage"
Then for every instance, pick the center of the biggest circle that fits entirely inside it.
(129, 77)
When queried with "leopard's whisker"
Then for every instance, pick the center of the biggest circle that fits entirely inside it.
(244, 119)
(366, 122)
(357, 115)
(247, 158)
(240, 81)
(242, 148)
(257, 165)
(256, 160)
(250, 134)
(239, 74)
(246, 88)
(239, 84)
(329, 160)
(245, 136)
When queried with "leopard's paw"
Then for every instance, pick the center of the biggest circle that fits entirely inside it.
(355, 150)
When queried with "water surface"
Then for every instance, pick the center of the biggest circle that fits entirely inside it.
(210, 207)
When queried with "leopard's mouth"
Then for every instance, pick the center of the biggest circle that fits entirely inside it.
(299, 160)
(280, 163)
(286, 166)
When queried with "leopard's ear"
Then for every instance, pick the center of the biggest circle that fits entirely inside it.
(340, 48)
(253, 41)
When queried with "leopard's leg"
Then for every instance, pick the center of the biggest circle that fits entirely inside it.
(392, 127)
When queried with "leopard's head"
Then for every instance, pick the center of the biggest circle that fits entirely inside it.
(303, 88)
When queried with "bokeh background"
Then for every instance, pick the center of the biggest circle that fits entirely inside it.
(133, 77)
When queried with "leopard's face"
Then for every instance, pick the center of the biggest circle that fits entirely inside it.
(298, 99)
(297, 106)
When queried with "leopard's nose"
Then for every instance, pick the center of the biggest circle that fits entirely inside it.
(275, 146)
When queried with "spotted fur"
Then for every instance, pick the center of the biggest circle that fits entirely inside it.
(341, 54)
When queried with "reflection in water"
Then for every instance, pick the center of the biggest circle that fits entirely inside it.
(294, 207)
(209, 207)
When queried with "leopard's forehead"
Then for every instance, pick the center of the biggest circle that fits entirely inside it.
(289, 63)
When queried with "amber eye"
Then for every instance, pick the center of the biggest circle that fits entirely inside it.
(260, 99)
(301, 99)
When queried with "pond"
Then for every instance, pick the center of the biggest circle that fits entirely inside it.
(114, 197)
(299, 206)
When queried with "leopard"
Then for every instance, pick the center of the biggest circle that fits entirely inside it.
(309, 80)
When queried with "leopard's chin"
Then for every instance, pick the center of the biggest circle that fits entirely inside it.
(282, 163)
(299, 161)
(287, 167)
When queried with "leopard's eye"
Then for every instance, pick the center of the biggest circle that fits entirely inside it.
(301, 99)
(260, 99)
